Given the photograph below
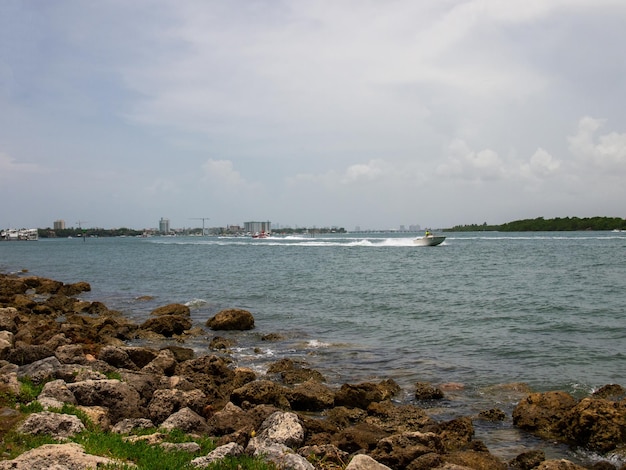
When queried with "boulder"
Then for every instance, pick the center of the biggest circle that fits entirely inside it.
(118, 397)
(168, 325)
(561, 464)
(40, 371)
(231, 319)
(172, 309)
(164, 363)
(166, 402)
(75, 288)
(27, 354)
(231, 449)
(398, 418)
(426, 391)
(56, 425)
(58, 390)
(283, 428)
(311, 396)
(365, 462)
(399, 450)
(362, 395)
(279, 454)
(187, 421)
(126, 426)
(261, 392)
(539, 413)
(56, 456)
(528, 460)
(117, 357)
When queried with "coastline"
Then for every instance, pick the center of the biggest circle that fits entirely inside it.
(99, 338)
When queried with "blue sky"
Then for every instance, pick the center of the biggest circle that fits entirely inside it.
(311, 113)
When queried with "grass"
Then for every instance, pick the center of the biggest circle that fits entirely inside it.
(137, 455)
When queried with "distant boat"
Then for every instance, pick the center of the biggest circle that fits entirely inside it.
(262, 234)
(429, 239)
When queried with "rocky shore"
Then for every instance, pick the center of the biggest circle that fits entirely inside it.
(81, 351)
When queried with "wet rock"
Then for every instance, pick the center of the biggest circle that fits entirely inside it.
(473, 459)
(292, 372)
(612, 392)
(539, 413)
(528, 460)
(426, 391)
(261, 392)
(75, 288)
(167, 325)
(362, 395)
(311, 396)
(398, 418)
(172, 309)
(493, 414)
(398, 450)
(562, 464)
(231, 319)
(360, 437)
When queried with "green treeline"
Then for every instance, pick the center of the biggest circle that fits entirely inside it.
(547, 225)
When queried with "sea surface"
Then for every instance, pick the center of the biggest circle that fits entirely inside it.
(477, 315)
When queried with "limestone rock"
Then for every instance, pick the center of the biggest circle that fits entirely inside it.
(365, 462)
(56, 456)
(186, 420)
(166, 402)
(56, 425)
(172, 309)
(231, 449)
(58, 390)
(283, 428)
(120, 398)
(168, 325)
(231, 319)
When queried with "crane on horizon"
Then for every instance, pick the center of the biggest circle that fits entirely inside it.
(202, 219)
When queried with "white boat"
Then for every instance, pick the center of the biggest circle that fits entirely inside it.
(429, 239)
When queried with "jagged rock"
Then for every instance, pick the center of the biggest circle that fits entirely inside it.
(168, 325)
(75, 288)
(362, 395)
(41, 370)
(283, 428)
(324, 453)
(98, 416)
(166, 402)
(145, 384)
(612, 392)
(56, 425)
(528, 460)
(399, 450)
(231, 449)
(186, 420)
(164, 363)
(121, 399)
(455, 434)
(190, 447)
(596, 424)
(117, 357)
(141, 356)
(6, 341)
(222, 343)
(71, 354)
(58, 390)
(540, 412)
(231, 319)
(398, 418)
(8, 317)
(228, 420)
(360, 437)
(126, 426)
(261, 392)
(281, 455)
(426, 391)
(562, 464)
(475, 459)
(292, 372)
(172, 309)
(493, 414)
(311, 396)
(365, 462)
(56, 457)
(181, 354)
(27, 354)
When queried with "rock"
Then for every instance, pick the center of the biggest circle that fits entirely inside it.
(493, 414)
(56, 457)
(98, 415)
(596, 424)
(281, 455)
(562, 464)
(528, 460)
(167, 325)
(261, 392)
(121, 399)
(311, 396)
(41, 370)
(283, 428)
(539, 413)
(166, 402)
(365, 462)
(221, 343)
(231, 449)
(360, 437)
(612, 392)
(75, 288)
(140, 356)
(398, 418)
(58, 390)
(362, 395)
(399, 450)
(324, 453)
(56, 425)
(455, 434)
(190, 447)
(71, 354)
(117, 357)
(231, 319)
(172, 309)
(163, 364)
(126, 426)
(426, 391)
(6, 341)
(27, 354)
(187, 421)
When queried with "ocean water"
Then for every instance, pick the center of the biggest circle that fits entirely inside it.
(475, 315)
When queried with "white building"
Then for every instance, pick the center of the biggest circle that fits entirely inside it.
(257, 227)
(164, 225)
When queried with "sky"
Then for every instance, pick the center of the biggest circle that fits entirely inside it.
(319, 113)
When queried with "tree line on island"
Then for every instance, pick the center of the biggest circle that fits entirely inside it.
(540, 224)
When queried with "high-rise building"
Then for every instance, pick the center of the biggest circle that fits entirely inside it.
(258, 227)
(59, 224)
(164, 225)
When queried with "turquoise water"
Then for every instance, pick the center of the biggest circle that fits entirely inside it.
(483, 309)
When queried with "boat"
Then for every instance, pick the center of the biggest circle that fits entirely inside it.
(19, 234)
(262, 234)
(429, 239)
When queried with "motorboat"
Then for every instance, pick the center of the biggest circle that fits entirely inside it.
(262, 234)
(429, 239)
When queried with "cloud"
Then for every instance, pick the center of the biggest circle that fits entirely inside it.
(541, 165)
(10, 167)
(606, 153)
(464, 163)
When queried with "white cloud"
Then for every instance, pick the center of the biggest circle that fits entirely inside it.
(10, 167)
(541, 165)
(606, 153)
(467, 164)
